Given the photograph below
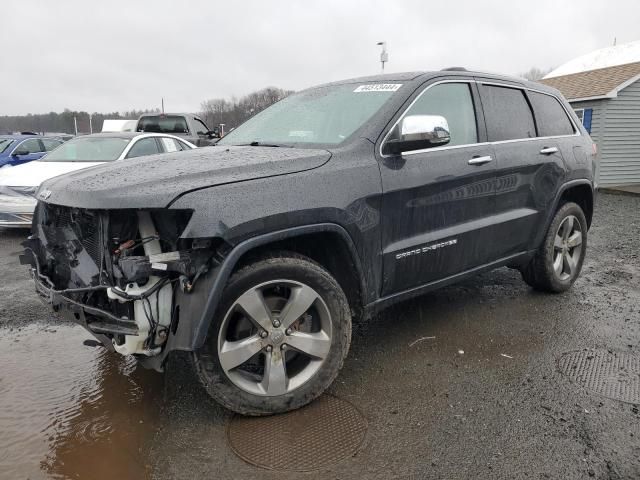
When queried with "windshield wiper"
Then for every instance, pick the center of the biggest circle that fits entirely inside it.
(261, 144)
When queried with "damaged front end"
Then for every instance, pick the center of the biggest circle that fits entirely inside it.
(116, 272)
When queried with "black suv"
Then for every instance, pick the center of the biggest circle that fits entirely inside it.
(340, 200)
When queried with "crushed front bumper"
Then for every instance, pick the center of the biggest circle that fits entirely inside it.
(101, 323)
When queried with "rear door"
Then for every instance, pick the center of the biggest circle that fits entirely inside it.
(528, 167)
(438, 202)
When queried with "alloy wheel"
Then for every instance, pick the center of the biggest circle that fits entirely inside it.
(567, 248)
(274, 337)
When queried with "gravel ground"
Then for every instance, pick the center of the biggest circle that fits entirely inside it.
(501, 409)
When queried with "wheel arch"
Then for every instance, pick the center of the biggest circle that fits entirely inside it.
(582, 194)
(299, 240)
(579, 191)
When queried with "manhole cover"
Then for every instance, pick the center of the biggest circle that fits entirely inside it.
(611, 374)
(311, 438)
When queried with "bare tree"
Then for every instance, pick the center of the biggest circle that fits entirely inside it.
(235, 111)
(534, 73)
(53, 122)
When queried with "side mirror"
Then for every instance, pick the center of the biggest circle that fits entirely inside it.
(416, 132)
(20, 152)
(215, 133)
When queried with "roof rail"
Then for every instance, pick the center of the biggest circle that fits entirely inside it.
(454, 69)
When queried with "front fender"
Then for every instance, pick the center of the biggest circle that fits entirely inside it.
(194, 311)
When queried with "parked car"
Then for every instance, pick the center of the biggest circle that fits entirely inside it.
(19, 184)
(335, 202)
(185, 125)
(18, 149)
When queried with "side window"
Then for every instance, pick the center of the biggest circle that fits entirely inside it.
(50, 144)
(146, 146)
(27, 147)
(585, 116)
(201, 127)
(507, 113)
(170, 145)
(551, 117)
(454, 102)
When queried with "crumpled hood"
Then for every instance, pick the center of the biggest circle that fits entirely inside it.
(156, 180)
(33, 174)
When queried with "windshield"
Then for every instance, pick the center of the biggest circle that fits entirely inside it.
(88, 149)
(5, 143)
(324, 115)
(163, 124)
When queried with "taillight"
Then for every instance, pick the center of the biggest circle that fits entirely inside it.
(594, 148)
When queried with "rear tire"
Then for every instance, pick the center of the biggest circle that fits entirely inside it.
(558, 261)
(286, 322)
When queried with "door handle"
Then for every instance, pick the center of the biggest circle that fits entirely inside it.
(480, 160)
(549, 150)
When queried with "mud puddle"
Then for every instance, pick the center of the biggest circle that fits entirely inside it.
(70, 411)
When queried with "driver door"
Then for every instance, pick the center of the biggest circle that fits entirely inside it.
(438, 202)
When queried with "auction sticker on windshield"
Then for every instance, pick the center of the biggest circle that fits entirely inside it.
(378, 87)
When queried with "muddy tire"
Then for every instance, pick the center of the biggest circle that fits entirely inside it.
(278, 339)
(558, 261)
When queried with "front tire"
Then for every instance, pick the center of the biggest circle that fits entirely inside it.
(278, 339)
(558, 262)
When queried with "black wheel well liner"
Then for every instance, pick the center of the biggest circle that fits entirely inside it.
(343, 263)
(579, 191)
(582, 194)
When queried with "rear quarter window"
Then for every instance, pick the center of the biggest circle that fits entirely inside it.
(507, 113)
(551, 116)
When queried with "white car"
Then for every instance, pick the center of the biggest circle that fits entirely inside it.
(18, 184)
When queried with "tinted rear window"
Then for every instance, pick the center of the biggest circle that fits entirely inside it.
(143, 147)
(163, 124)
(551, 117)
(507, 113)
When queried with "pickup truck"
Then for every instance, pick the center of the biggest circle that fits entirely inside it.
(185, 125)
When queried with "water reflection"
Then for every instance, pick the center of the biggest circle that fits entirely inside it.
(72, 411)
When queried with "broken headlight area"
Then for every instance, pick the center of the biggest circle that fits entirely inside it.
(116, 271)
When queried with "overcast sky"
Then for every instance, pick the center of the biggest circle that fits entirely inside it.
(104, 56)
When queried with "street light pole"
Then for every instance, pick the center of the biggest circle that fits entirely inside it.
(384, 56)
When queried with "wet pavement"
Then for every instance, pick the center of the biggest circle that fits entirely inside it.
(462, 383)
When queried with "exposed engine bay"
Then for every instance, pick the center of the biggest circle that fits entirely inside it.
(116, 271)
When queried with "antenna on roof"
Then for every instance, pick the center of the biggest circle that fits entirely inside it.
(162, 98)
(384, 56)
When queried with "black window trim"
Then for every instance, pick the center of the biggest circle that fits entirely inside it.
(476, 82)
(527, 100)
(535, 118)
(576, 130)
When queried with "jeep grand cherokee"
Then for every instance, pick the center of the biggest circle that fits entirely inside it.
(337, 201)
